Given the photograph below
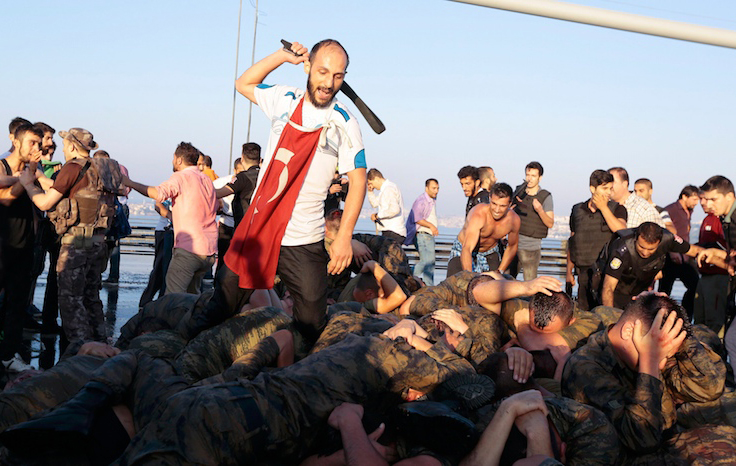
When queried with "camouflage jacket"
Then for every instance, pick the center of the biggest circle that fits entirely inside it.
(450, 293)
(641, 407)
(297, 400)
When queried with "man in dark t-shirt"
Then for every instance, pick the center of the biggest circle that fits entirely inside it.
(245, 182)
(469, 177)
(636, 258)
(17, 237)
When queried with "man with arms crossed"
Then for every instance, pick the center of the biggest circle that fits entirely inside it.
(476, 247)
(312, 135)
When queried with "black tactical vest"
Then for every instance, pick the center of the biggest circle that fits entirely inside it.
(591, 234)
(641, 272)
(531, 224)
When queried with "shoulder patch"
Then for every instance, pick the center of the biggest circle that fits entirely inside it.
(678, 239)
(615, 263)
(264, 86)
(343, 113)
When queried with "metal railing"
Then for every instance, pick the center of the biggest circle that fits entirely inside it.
(553, 262)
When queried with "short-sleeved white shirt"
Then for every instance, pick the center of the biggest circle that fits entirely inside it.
(344, 152)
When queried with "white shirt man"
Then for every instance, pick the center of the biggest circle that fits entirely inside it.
(389, 204)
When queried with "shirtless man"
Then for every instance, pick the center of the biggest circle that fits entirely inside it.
(477, 246)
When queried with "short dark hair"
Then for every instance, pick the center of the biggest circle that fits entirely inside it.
(599, 177)
(501, 190)
(650, 232)
(535, 166)
(689, 190)
(646, 307)
(24, 128)
(367, 281)
(324, 43)
(251, 151)
(101, 154)
(45, 128)
(484, 172)
(468, 171)
(15, 123)
(238, 163)
(426, 183)
(373, 173)
(188, 153)
(645, 181)
(720, 183)
(207, 160)
(546, 308)
(621, 172)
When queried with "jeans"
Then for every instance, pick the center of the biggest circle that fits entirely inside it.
(424, 268)
(186, 271)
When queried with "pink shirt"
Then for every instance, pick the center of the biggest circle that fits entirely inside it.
(193, 210)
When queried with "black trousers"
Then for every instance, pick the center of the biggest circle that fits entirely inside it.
(394, 236)
(586, 301)
(18, 281)
(224, 236)
(163, 247)
(303, 269)
(687, 275)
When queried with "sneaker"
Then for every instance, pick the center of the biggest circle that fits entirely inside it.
(17, 364)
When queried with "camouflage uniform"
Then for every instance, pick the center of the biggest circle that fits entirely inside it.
(80, 279)
(450, 293)
(388, 253)
(590, 437)
(46, 390)
(215, 349)
(608, 315)
(169, 310)
(226, 423)
(642, 407)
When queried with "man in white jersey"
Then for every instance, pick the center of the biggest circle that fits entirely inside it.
(312, 136)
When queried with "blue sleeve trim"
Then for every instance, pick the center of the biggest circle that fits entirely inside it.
(264, 86)
(293, 96)
(360, 159)
(343, 113)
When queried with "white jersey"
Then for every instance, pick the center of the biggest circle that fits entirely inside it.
(344, 152)
(226, 217)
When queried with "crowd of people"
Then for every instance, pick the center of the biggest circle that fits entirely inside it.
(320, 345)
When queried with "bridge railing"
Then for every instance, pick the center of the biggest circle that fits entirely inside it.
(553, 262)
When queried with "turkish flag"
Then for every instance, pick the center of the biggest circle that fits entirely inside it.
(254, 250)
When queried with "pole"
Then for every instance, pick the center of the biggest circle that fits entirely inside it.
(615, 20)
(252, 61)
(232, 122)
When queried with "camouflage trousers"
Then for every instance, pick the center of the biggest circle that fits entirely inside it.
(80, 280)
(46, 390)
(209, 425)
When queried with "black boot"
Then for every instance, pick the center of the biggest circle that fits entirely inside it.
(67, 427)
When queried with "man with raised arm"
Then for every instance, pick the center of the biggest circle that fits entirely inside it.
(312, 136)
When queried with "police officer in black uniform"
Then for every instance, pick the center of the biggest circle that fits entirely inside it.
(592, 224)
(634, 259)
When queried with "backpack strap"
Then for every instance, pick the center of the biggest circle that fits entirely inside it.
(8, 171)
(81, 172)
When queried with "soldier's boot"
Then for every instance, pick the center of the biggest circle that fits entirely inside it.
(69, 426)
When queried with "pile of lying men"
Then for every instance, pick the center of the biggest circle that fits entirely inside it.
(480, 369)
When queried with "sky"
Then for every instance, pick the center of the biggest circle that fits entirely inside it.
(454, 84)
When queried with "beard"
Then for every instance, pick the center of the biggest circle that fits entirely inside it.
(312, 93)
